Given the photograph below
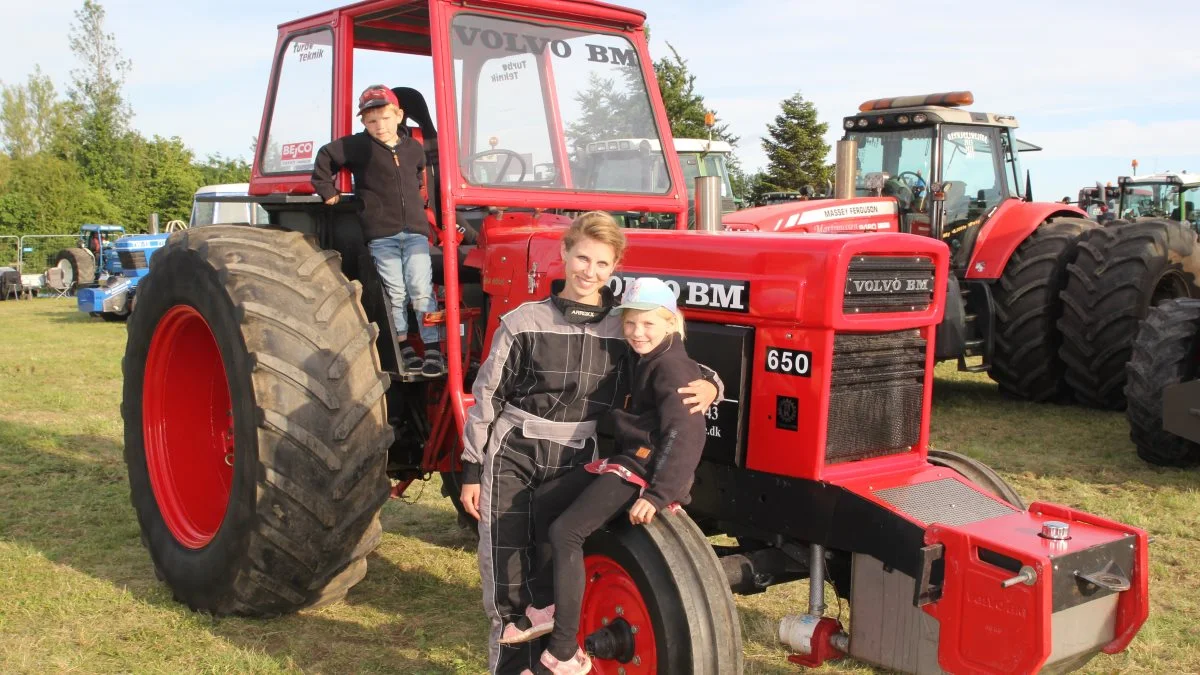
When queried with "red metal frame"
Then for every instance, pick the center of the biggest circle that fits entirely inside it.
(1013, 221)
(187, 422)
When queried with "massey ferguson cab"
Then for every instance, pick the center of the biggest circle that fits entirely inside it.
(924, 165)
(266, 422)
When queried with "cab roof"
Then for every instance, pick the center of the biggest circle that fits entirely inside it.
(936, 113)
(1175, 177)
(579, 9)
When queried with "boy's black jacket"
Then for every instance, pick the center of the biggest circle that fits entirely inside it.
(387, 181)
(655, 434)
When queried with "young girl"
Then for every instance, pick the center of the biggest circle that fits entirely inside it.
(554, 369)
(657, 444)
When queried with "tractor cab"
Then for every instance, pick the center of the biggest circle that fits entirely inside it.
(949, 169)
(1171, 195)
(99, 240)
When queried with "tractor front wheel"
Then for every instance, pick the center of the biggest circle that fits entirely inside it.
(978, 473)
(658, 601)
(1025, 360)
(1120, 272)
(255, 433)
(1164, 353)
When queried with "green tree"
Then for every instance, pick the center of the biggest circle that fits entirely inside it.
(102, 144)
(46, 194)
(30, 116)
(685, 107)
(217, 170)
(796, 148)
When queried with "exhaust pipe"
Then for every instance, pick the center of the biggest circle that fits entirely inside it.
(154, 223)
(708, 203)
(846, 169)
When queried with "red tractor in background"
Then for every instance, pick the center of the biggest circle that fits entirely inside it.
(923, 165)
(266, 421)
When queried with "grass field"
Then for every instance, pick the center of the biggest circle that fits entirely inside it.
(78, 594)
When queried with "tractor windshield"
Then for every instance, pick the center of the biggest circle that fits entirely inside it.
(894, 163)
(532, 97)
(1160, 200)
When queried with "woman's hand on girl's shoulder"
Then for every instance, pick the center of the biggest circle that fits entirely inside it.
(700, 394)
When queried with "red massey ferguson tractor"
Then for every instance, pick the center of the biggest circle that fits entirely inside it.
(923, 165)
(266, 421)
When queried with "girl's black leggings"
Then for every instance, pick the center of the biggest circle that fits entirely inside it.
(565, 511)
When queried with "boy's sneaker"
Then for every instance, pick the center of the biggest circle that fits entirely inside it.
(434, 365)
(410, 360)
(576, 665)
(539, 621)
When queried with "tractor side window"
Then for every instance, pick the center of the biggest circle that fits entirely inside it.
(302, 112)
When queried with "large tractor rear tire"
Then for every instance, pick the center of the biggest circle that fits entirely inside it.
(78, 267)
(1121, 271)
(657, 595)
(255, 433)
(1164, 353)
(978, 473)
(1025, 360)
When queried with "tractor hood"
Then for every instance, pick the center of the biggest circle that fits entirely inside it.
(843, 216)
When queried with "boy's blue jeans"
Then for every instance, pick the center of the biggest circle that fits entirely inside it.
(407, 274)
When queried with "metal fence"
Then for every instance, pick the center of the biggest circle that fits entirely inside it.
(37, 251)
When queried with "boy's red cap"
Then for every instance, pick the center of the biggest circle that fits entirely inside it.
(375, 96)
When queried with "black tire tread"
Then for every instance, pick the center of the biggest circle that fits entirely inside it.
(1164, 353)
(1025, 359)
(1109, 290)
(83, 265)
(321, 478)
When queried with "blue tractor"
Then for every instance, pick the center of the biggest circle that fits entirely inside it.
(112, 297)
(95, 255)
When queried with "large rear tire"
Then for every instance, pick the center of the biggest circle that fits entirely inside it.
(978, 473)
(1164, 353)
(78, 266)
(1121, 271)
(1025, 359)
(255, 433)
(664, 581)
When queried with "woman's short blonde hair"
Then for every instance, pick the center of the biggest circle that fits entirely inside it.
(598, 226)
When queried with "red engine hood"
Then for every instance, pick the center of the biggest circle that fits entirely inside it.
(830, 216)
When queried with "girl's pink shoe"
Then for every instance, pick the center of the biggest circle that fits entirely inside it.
(576, 665)
(541, 622)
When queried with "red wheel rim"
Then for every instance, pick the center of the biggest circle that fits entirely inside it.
(187, 424)
(611, 594)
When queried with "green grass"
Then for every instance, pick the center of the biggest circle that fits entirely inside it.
(78, 593)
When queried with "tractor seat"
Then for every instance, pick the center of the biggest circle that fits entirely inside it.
(466, 275)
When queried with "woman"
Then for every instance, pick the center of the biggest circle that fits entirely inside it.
(555, 368)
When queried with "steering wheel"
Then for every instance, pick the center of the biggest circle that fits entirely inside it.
(915, 183)
(503, 167)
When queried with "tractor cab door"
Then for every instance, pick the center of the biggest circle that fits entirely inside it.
(974, 183)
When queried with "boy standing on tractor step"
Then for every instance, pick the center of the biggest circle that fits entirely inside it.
(389, 170)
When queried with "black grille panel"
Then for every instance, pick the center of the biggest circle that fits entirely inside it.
(876, 395)
(132, 260)
(888, 284)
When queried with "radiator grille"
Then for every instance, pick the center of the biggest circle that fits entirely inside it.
(876, 395)
(132, 260)
(888, 284)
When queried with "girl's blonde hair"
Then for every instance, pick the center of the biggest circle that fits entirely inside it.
(680, 326)
(598, 226)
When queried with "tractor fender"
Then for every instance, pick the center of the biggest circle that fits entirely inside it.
(1003, 232)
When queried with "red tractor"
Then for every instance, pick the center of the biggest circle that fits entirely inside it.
(266, 421)
(926, 166)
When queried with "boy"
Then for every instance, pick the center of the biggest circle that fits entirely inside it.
(389, 171)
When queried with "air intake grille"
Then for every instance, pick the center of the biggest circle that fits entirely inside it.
(132, 260)
(876, 395)
(888, 284)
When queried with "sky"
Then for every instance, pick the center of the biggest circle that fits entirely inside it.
(1096, 83)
